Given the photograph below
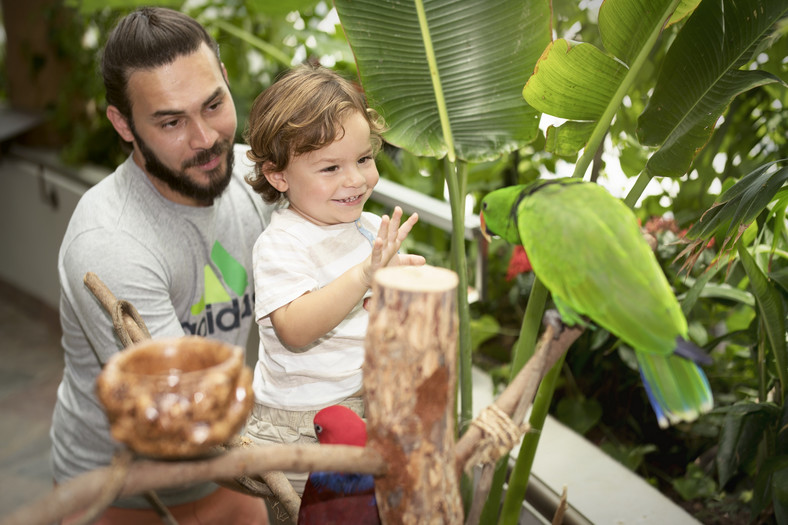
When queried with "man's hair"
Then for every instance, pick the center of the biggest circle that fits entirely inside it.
(148, 38)
(301, 112)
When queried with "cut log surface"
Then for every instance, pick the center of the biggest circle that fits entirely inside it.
(409, 380)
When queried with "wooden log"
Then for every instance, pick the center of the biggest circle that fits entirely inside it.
(409, 380)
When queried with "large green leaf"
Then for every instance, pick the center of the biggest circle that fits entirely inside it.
(278, 7)
(742, 432)
(484, 52)
(585, 83)
(624, 25)
(700, 76)
(771, 312)
(573, 82)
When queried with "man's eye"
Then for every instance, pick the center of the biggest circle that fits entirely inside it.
(170, 124)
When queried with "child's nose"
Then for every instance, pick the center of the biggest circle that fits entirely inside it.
(354, 178)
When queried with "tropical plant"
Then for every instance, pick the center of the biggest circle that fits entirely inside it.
(646, 87)
(429, 66)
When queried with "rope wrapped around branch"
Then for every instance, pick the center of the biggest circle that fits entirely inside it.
(499, 435)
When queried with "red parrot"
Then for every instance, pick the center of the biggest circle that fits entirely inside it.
(337, 497)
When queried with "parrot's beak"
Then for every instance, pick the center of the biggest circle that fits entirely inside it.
(483, 227)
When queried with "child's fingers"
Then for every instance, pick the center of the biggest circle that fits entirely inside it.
(396, 216)
(383, 229)
(411, 260)
(404, 230)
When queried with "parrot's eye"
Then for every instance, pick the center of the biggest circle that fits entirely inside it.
(318, 429)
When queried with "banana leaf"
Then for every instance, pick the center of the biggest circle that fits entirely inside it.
(772, 313)
(483, 52)
(700, 76)
(585, 84)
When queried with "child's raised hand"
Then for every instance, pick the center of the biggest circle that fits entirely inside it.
(387, 244)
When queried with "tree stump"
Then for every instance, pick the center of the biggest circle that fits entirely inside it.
(409, 380)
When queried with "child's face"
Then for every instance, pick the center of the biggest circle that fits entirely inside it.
(330, 185)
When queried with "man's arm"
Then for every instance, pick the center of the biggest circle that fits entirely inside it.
(130, 272)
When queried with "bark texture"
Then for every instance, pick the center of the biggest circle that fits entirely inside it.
(409, 379)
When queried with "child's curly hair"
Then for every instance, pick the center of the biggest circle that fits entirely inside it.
(301, 112)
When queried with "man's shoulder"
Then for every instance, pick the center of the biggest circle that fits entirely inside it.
(106, 197)
(241, 192)
(242, 166)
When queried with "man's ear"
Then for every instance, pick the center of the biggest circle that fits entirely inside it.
(120, 123)
(275, 178)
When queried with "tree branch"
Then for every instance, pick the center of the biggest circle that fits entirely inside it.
(144, 475)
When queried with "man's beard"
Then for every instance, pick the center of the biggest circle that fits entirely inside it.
(179, 181)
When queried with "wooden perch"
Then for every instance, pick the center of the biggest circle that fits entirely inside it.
(514, 401)
(409, 382)
(130, 329)
(143, 475)
(519, 395)
(128, 324)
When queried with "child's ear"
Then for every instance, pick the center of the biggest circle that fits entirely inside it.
(275, 178)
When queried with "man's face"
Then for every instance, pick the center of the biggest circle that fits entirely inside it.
(183, 127)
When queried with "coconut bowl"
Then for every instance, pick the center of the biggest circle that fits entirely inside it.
(176, 398)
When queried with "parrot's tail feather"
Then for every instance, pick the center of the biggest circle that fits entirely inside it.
(688, 350)
(677, 388)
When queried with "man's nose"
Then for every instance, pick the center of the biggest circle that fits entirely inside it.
(203, 135)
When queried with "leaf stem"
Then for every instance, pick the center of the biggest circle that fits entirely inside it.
(604, 121)
(436, 81)
(249, 38)
(455, 175)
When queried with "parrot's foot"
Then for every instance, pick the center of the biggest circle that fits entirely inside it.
(553, 319)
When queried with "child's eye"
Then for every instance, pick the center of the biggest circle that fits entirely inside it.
(330, 169)
(365, 159)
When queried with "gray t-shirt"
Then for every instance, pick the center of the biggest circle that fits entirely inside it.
(187, 270)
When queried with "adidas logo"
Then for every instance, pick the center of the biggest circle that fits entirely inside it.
(229, 317)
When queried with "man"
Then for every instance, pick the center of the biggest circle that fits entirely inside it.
(171, 231)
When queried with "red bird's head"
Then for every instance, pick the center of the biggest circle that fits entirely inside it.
(338, 425)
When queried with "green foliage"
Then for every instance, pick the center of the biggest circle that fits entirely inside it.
(467, 104)
(258, 39)
(659, 100)
(681, 113)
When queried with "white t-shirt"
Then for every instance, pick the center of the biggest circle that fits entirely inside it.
(292, 257)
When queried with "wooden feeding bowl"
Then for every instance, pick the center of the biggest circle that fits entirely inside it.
(176, 398)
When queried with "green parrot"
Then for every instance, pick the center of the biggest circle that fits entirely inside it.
(586, 247)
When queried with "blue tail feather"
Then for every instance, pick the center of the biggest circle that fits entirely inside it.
(677, 388)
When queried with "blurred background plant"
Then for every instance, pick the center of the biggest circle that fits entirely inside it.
(728, 467)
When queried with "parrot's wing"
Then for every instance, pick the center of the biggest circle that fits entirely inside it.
(677, 388)
(335, 497)
(587, 249)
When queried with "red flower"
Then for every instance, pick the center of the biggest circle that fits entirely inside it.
(518, 264)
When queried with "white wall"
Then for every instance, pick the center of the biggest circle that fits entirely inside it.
(35, 206)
